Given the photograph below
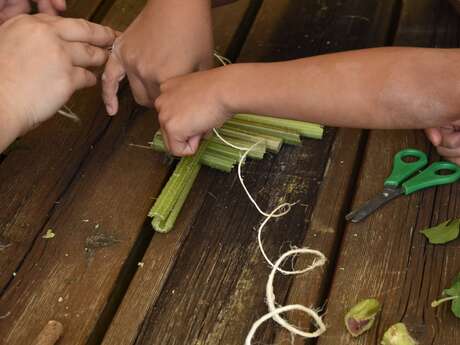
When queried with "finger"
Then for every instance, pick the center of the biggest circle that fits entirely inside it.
(434, 135)
(184, 147)
(450, 139)
(113, 74)
(80, 30)
(59, 5)
(45, 6)
(82, 78)
(139, 91)
(11, 10)
(86, 55)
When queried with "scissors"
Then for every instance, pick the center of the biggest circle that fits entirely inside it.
(406, 164)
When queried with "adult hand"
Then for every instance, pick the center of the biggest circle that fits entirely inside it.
(168, 39)
(12, 8)
(51, 7)
(43, 61)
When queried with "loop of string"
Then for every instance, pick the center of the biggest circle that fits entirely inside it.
(279, 211)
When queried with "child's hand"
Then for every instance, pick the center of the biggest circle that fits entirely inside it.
(447, 141)
(189, 107)
(168, 39)
(43, 61)
(12, 8)
(51, 7)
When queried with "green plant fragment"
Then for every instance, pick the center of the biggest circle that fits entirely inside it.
(361, 317)
(398, 335)
(451, 294)
(444, 232)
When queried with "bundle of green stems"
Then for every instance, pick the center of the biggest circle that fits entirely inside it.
(260, 133)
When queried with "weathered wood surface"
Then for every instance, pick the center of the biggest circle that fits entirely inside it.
(216, 289)
(386, 256)
(39, 169)
(162, 251)
(83, 169)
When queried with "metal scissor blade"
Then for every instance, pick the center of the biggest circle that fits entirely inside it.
(373, 204)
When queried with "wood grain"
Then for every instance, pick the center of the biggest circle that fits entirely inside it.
(40, 167)
(162, 252)
(386, 256)
(216, 289)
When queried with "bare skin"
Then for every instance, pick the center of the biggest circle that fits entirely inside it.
(374, 88)
(63, 51)
(12, 8)
(168, 39)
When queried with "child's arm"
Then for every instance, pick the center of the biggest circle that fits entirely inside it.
(43, 61)
(374, 88)
(168, 39)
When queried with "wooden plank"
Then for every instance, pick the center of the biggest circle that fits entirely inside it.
(385, 256)
(216, 289)
(50, 270)
(40, 167)
(78, 277)
(361, 24)
(161, 254)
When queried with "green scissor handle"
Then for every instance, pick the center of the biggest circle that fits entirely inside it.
(431, 177)
(403, 170)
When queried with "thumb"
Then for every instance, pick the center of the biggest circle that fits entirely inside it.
(113, 74)
(434, 135)
(184, 148)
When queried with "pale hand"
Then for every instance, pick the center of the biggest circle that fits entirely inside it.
(168, 39)
(12, 8)
(43, 61)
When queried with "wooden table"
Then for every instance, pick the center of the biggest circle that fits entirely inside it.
(204, 283)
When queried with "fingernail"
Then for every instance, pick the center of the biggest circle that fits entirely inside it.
(103, 77)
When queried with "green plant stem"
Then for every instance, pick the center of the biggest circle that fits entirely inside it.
(166, 225)
(173, 189)
(437, 303)
(273, 144)
(305, 129)
(288, 136)
(257, 152)
(216, 156)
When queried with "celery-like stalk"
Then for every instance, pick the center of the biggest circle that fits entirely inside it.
(288, 136)
(166, 225)
(216, 161)
(173, 189)
(273, 143)
(257, 152)
(305, 129)
(216, 156)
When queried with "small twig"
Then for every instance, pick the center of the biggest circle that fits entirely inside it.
(50, 334)
(67, 112)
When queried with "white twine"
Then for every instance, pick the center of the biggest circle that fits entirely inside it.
(274, 312)
(67, 112)
(279, 211)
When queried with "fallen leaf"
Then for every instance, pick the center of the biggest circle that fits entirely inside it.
(444, 232)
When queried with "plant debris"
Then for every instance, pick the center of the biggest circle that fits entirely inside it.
(398, 335)
(361, 317)
(444, 232)
(451, 294)
(49, 234)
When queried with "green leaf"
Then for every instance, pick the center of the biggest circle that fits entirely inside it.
(453, 294)
(444, 232)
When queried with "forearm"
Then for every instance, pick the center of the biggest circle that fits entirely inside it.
(374, 88)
